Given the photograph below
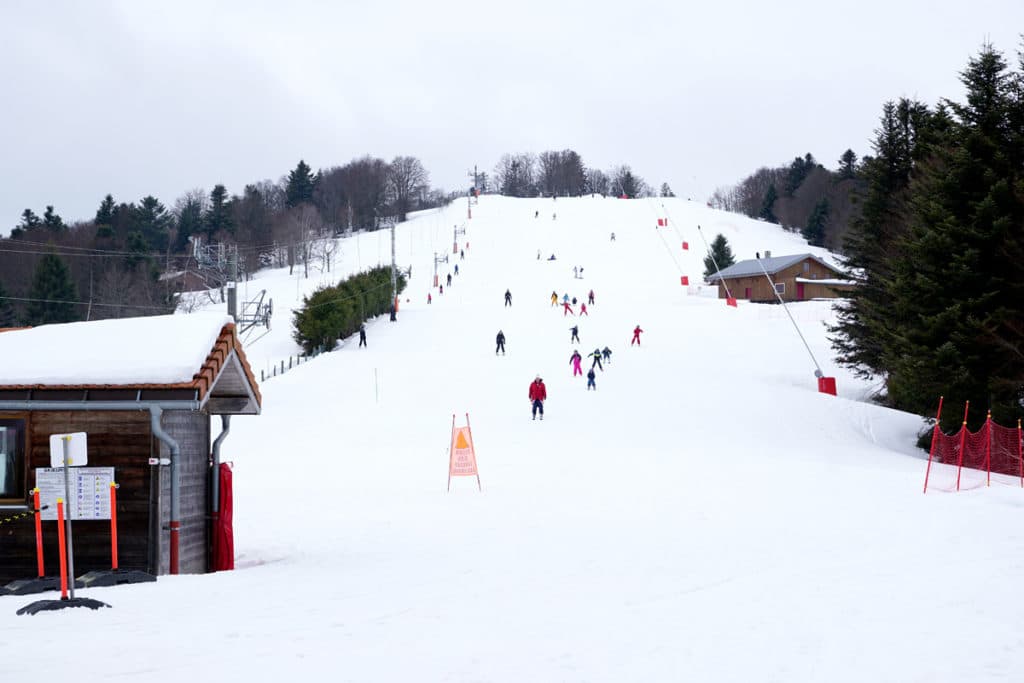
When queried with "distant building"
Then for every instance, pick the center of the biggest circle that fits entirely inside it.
(797, 278)
(144, 391)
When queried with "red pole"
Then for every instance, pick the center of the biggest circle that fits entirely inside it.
(988, 449)
(63, 551)
(451, 452)
(931, 451)
(39, 532)
(479, 486)
(963, 441)
(113, 526)
(175, 527)
(1019, 454)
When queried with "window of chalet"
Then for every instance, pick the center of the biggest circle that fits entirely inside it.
(12, 460)
(780, 287)
(807, 266)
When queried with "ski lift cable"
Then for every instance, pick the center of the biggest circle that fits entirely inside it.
(817, 372)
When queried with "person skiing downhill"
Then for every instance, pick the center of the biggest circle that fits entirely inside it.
(538, 394)
(362, 335)
(500, 339)
(596, 355)
(575, 329)
(508, 297)
(449, 279)
(554, 298)
(607, 353)
(590, 380)
(567, 310)
(636, 336)
(590, 298)
(575, 359)
(583, 309)
(429, 298)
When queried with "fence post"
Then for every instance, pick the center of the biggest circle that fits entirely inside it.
(1019, 454)
(988, 449)
(931, 451)
(963, 443)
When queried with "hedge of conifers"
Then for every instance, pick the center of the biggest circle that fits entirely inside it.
(335, 312)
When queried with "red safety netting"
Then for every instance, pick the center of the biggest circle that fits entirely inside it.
(967, 459)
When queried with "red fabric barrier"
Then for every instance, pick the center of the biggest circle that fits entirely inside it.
(223, 531)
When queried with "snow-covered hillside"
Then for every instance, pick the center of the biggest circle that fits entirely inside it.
(703, 515)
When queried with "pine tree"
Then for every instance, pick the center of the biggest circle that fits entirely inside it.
(961, 279)
(7, 317)
(666, 191)
(848, 165)
(906, 132)
(51, 293)
(52, 221)
(105, 218)
(153, 222)
(218, 218)
(300, 185)
(766, 206)
(721, 254)
(814, 232)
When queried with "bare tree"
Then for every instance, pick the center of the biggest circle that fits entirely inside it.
(406, 180)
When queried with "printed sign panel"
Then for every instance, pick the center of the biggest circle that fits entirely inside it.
(463, 459)
(89, 489)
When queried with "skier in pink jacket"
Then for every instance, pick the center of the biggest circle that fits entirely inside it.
(575, 360)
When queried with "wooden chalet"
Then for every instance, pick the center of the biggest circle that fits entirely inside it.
(799, 277)
(144, 391)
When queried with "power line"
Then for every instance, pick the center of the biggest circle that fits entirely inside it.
(84, 303)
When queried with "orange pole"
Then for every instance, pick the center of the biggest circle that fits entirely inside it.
(931, 451)
(113, 526)
(963, 443)
(39, 532)
(63, 551)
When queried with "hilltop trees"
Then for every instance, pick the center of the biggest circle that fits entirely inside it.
(406, 180)
(300, 185)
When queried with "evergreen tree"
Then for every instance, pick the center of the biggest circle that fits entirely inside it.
(766, 206)
(906, 132)
(53, 221)
(105, 218)
(51, 293)
(814, 232)
(962, 279)
(218, 217)
(7, 317)
(300, 185)
(798, 172)
(153, 222)
(848, 165)
(666, 191)
(721, 254)
(29, 220)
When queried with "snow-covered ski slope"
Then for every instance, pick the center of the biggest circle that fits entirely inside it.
(705, 515)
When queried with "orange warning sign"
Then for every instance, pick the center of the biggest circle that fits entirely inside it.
(462, 457)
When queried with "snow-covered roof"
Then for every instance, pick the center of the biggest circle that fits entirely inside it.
(157, 350)
(827, 281)
(771, 264)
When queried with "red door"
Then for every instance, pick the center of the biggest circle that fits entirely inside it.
(746, 293)
(800, 291)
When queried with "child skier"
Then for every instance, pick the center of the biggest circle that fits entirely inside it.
(575, 329)
(636, 336)
(575, 361)
(508, 297)
(590, 380)
(501, 343)
(607, 353)
(596, 355)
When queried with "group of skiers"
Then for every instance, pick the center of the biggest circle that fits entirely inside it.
(568, 303)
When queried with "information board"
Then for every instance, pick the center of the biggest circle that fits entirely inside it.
(90, 491)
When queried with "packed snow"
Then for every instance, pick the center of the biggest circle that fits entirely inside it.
(704, 515)
(164, 349)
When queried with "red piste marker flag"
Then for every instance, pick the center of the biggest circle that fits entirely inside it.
(462, 456)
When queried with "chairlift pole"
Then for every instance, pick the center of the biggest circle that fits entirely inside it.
(394, 275)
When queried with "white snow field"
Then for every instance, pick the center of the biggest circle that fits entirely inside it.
(704, 515)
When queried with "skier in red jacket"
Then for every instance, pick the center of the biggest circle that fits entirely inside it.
(538, 394)
(636, 336)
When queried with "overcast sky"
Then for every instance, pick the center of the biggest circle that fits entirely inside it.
(134, 98)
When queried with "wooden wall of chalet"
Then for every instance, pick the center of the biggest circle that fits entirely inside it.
(118, 439)
(192, 432)
(761, 290)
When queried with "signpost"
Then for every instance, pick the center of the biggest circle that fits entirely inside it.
(66, 451)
